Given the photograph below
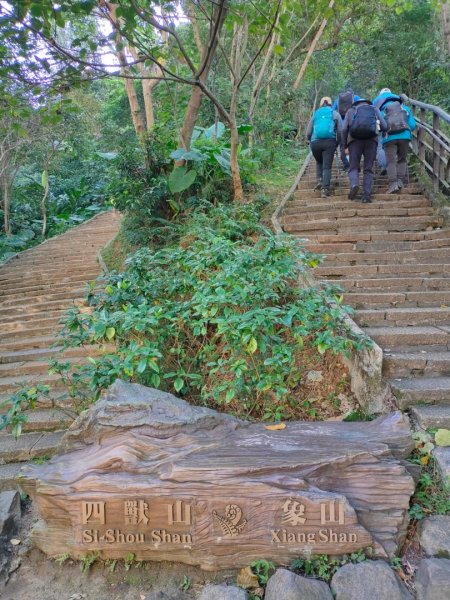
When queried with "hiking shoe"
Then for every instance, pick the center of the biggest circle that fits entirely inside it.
(318, 186)
(400, 184)
(324, 193)
(393, 188)
(353, 192)
(366, 200)
(383, 172)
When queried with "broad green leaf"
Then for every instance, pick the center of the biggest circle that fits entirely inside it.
(442, 437)
(214, 131)
(252, 345)
(178, 384)
(181, 179)
(322, 348)
(110, 333)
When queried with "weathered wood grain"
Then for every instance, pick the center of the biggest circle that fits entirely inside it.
(144, 472)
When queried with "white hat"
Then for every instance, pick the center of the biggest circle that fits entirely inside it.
(385, 91)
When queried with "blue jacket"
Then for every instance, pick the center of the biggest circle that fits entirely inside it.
(403, 135)
(378, 101)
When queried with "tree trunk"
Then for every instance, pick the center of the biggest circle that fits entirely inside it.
(235, 171)
(195, 101)
(6, 205)
(311, 49)
(446, 23)
(147, 88)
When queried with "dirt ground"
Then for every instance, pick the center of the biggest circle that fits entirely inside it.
(36, 577)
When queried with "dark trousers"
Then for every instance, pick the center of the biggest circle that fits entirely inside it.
(344, 159)
(396, 156)
(323, 152)
(357, 149)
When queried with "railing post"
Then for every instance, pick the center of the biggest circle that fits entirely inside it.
(420, 134)
(436, 154)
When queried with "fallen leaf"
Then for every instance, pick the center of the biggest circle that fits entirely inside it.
(15, 542)
(275, 427)
(246, 579)
(424, 460)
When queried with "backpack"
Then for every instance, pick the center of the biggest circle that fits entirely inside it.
(324, 126)
(345, 101)
(396, 118)
(364, 122)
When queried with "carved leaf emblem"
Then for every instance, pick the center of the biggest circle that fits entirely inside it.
(230, 523)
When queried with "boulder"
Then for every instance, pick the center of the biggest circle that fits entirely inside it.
(434, 536)
(223, 592)
(433, 579)
(144, 472)
(368, 580)
(285, 585)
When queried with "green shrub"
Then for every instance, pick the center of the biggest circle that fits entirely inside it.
(217, 317)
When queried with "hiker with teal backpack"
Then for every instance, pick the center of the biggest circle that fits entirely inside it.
(324, 134)
(400, 124)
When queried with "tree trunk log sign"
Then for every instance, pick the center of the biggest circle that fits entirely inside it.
(145, 472)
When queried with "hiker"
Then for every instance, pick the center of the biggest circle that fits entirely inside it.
(400, 123)
(324, 133)
(360, 133)
(378, 102)
(342, 104)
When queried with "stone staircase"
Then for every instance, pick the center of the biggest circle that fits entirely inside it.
(392, 259)
(36, 288)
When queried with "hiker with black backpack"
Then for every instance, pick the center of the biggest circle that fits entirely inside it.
(400, 124)
(342, 104)
(324, 134)
(360, 130)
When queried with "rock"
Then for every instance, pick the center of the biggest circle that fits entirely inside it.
(442, 456)
(368, 580)
(147, 473)
(434, 536)
(284, 585)
(223, 592)
(9, 512)
(314, 376)
(433, 579)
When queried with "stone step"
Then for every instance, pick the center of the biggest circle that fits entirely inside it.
(16, 326)
(365, 300)
(406, 337)
(24, 281)
(27, 343)
(20, 300)
(8, 474)
(43, 354)
(377, 246)
(403, 284)
(432, 417)
(55, 398)
(19, 369)
(42, 306)
(358, 236)
(296, 225)
(339, 272)
(307, 213)
(46, 419)
(394, 317)
(424, 390)
(29, 446)
(417, 362)
(31, 331)
(37, 317)
(439, 255)
(17, 382)
(43, 287)
(322, 206)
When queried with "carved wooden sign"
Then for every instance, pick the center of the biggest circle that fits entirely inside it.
(144, 472)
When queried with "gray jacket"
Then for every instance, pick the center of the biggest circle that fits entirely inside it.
(346, 136)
